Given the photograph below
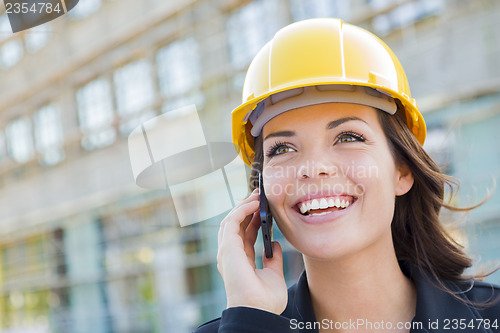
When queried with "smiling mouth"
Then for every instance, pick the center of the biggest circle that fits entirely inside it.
(322, 206)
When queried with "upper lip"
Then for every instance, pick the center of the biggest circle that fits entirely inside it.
(319, 195)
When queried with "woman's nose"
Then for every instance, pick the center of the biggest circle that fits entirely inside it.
(314, 168)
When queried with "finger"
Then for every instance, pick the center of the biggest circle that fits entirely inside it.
(276, 262)
(252, 230)
(242, 215)
(250, 237)
(244, 224)
(236, 241)
(236, 213)
(231, 239)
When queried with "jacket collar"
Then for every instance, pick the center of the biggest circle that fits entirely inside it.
(432, 303)
(436, 308)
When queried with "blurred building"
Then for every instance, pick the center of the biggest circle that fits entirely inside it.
(83, 249)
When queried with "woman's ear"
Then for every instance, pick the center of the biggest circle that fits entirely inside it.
(404, 180)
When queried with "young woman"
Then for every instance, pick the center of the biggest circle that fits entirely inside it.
(328, 122)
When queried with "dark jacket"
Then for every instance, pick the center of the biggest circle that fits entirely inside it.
(437, 311)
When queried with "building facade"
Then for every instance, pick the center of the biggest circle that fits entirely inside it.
(84, 249)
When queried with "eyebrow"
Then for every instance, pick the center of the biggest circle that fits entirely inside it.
(337, 122)
(282, 133)
(330, 125)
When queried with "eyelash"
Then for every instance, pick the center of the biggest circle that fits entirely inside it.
(358, 137)
(274, 148)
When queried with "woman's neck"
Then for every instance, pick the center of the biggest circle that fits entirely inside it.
(369, 286)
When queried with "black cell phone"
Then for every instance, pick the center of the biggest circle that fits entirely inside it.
(266, 221)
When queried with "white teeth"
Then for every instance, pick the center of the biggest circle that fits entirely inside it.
(303, 208)
(323, 213)
(315, 204)
(323, 203)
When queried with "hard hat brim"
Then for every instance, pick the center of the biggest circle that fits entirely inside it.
(243, 140)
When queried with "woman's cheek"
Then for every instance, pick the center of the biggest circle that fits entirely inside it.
(276, 185)
(373, 176)
(361, 165)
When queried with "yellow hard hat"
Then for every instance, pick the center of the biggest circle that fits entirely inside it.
(321, 52)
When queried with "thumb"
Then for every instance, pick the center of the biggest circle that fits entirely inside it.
(276, 262)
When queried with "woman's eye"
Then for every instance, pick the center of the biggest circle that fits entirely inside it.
(279, 149)
(347, 139)
(350, 137)
(282, 150)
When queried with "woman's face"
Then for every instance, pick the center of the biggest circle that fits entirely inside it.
(331, 180)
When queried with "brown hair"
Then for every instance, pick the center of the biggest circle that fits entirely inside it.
(418, 235)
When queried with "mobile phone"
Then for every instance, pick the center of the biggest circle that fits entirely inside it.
(266, 221)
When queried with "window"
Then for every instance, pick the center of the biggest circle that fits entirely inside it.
(305, 9)
(180, 83)
(178, 67)
(95, 113)
(196, 98)
(407, 14)
(11, 53)
(382, 24)
(403, 15)
(133, 302)
(381, 4)
(199, 279)
(250, 28)
(134, 93)
(84, 8)
(36, 37)
(49, 134)
(20, 141)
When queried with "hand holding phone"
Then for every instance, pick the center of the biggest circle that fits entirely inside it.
(246, 285)
(266, 220)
